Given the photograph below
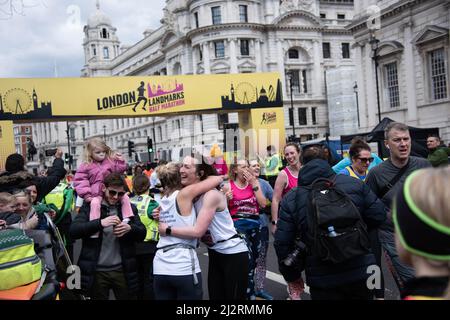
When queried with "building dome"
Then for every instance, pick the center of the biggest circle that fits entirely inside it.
(98, 18)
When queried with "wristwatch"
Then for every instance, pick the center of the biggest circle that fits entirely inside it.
(168, 231)
(274, 222)
(255, 188)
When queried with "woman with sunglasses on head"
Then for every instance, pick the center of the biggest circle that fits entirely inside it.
(360, 160)
(245, 197)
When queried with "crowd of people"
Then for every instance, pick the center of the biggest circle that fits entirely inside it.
(331, 222)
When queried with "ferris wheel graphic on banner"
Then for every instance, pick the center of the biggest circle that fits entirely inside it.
(245, 93)
(18, 101)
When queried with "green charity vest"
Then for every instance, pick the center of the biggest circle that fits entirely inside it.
(60, 199)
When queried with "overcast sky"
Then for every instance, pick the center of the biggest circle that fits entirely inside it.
(36, 35)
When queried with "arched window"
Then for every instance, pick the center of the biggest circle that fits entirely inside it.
(293, 54)
(104, 34)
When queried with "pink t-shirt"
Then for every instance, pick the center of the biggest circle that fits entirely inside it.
(244, 200)
(292, 181)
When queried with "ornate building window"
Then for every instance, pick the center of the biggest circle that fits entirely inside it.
(326, 49)
(438, 75)
(216, 15)
(391, 84)
(196, 19)
(346, 50)
(245, 48)
(106, 53)
(219, 47)
(302, 120)
(314, 115)
(104, 34)
(243, 15)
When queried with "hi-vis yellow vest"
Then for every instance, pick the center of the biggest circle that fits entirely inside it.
(56, 196)
(353, 174)
(276, 170)
(142, 203)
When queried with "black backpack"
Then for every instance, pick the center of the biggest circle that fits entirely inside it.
(330, 208)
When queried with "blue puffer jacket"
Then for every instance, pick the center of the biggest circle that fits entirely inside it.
(292, 225)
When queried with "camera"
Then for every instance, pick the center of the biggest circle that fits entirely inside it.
(50, 152)
(295, 257)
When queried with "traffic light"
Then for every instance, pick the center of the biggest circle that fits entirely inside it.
(130, 148)
(149, 145)
(68, 159)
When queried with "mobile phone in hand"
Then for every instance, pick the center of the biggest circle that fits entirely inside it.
(50, 152)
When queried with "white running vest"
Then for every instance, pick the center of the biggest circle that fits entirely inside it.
(177, 261)
(222, 228)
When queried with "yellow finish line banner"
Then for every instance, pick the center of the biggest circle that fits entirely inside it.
(6, 142)
(39, 99)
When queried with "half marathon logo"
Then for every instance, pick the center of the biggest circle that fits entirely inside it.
(269, 118)
(158, 97)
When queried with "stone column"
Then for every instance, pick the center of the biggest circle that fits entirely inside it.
(206, 57)
(233, 55)
(361, 87)
(371, 89)
(185, 68)
(194, 59)
(229, 13)
(281, 68)
(410, 74)
(317, 73)
(168, 68)
(268, 11)
(258, 55)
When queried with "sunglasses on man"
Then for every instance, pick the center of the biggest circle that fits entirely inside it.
(114, 193)
(370, 160)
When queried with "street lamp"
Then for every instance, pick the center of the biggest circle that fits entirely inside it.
(374, 44)
(355, 90)
(290, 76)
(68, 127)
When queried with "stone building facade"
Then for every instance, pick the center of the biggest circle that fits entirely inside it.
(410, 40)
(302, 38)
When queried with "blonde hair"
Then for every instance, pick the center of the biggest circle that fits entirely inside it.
(430, 194)
(95, 143)
(169, 175)
(23, 194)
(6, 198)
(231, 174)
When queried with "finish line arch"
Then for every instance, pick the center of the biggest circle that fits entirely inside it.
(257, 97)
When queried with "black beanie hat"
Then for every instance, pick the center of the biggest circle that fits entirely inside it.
(15, 163)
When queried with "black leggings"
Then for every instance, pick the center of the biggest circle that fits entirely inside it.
(227, 279)
(177, 287)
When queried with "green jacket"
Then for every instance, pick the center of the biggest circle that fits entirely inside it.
(439, 156)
